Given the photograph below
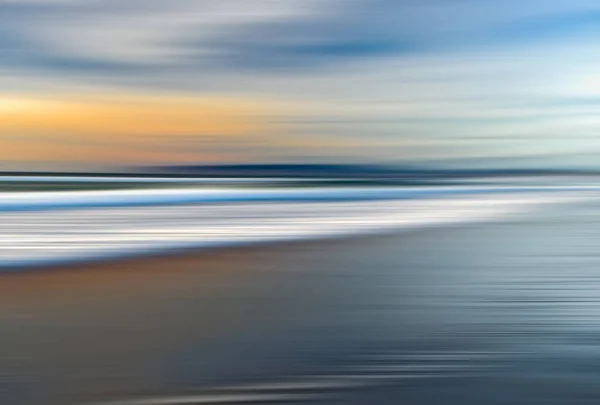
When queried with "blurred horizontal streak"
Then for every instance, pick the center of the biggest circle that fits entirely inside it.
(39, 238)
(321, 386)
(217, 399)
(31, 201)
(145, 179)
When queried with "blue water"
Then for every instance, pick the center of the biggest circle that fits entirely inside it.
(31, 201)
(48, 228)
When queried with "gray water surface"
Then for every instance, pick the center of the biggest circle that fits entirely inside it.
(503, 313)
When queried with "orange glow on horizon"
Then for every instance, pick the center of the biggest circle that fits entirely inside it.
(132, 116)
(123, 128)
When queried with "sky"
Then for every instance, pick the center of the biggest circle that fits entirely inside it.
(465, 83)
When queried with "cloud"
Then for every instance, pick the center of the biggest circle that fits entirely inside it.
(133, 37)
(119, 36)
(131, 128)
(417, 71)
(362, 30)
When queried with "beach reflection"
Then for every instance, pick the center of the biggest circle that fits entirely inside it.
(497, 313)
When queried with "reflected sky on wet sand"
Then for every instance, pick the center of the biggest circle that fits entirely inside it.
(495, 313)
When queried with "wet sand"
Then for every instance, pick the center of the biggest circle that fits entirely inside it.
(496, 313)
(101, 330)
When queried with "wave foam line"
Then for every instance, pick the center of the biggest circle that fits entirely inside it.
(33, 201)
(55, 237)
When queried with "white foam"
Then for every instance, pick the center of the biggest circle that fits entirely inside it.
(46, 237)
(15, 201)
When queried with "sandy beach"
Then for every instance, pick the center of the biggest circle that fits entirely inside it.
(471, 314)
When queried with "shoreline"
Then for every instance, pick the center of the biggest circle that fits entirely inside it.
(159, 257)
(154, 232)
(156, 260)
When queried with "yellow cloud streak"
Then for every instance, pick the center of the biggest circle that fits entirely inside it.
(131, 116)
(149, 129)
(125, 126)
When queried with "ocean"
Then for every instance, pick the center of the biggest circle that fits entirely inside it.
(49, 228)
(461, 298)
